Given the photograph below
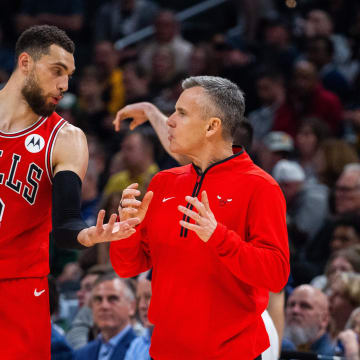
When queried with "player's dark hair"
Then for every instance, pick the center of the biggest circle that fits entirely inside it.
(37, 40)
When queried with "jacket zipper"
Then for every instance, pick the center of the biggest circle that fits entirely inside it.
(197, 187)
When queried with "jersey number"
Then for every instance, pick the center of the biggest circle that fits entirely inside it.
(2, 208)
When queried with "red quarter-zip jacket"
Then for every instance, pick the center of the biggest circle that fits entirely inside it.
(208, 297)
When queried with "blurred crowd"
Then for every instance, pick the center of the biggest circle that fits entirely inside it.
(299, 66)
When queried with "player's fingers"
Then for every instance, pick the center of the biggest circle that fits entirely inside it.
(100, 220)
(111, 223)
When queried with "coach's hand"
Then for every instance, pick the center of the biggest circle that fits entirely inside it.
(205, 222)
(111, 231)
(136, 112)
(130, 207)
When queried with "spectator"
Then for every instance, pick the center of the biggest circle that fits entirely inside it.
(347, 190)
(320, 51)
(307, 204)
(113, 304)
(167, 33)
(332, 155)
(202, 60)
(139, 348)
(106, 59)
(138, 158)
(346, 259)
(318, 22)
(344, 297)
(346, 232)
(60, 349)
(276, 145)
(308, 98)
(163, 69)
(81, 329)
(119, 18)
(67, 14)
(307, 319)
(271, 93)
(136, 83)
(310, 135)
(277, 48)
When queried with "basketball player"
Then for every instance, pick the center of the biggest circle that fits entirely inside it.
(43, 160)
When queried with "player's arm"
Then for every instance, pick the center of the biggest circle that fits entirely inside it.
(145, 111)
(70, 159)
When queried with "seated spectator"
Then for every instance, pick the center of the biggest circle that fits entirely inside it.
(344, 297)
(167, 33)
(271, 93)
(119, 18)
(139, 348)
(113, 304)
(202, 61)
(60, 349)
(346, 232)
(66, 14)
(307, 209)
(345, 259)
(277, 48)
(106, 60)
(310, 135)
(319, 23)
(138, 157)
(347, 190)
(307, 98)
(81, 329)
(136, 83)
(276, 145)
(307, 203)
(306, 321)
(331, 158)
(320, 51)
(163, 69)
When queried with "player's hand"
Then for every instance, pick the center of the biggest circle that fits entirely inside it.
(135, 111)
(205, 222)
(111, 231)
(131, 207)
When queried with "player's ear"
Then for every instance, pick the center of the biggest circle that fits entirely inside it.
(25, 62)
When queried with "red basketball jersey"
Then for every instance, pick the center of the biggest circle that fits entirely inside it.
(25, 198)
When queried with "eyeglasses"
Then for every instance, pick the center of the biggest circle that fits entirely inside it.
(346, 189)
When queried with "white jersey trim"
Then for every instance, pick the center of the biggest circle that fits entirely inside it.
(25, 131)
(52, 140)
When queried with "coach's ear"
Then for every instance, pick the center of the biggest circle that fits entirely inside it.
(213, 126)
(25, 62)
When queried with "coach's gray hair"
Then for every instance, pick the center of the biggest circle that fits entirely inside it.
(226, 100)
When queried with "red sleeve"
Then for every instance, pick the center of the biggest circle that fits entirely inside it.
(130, 257)
(263, 261)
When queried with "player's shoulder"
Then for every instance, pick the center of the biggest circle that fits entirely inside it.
(71, 132)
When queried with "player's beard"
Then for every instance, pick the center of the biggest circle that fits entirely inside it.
(301, 335)
(34, 96)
